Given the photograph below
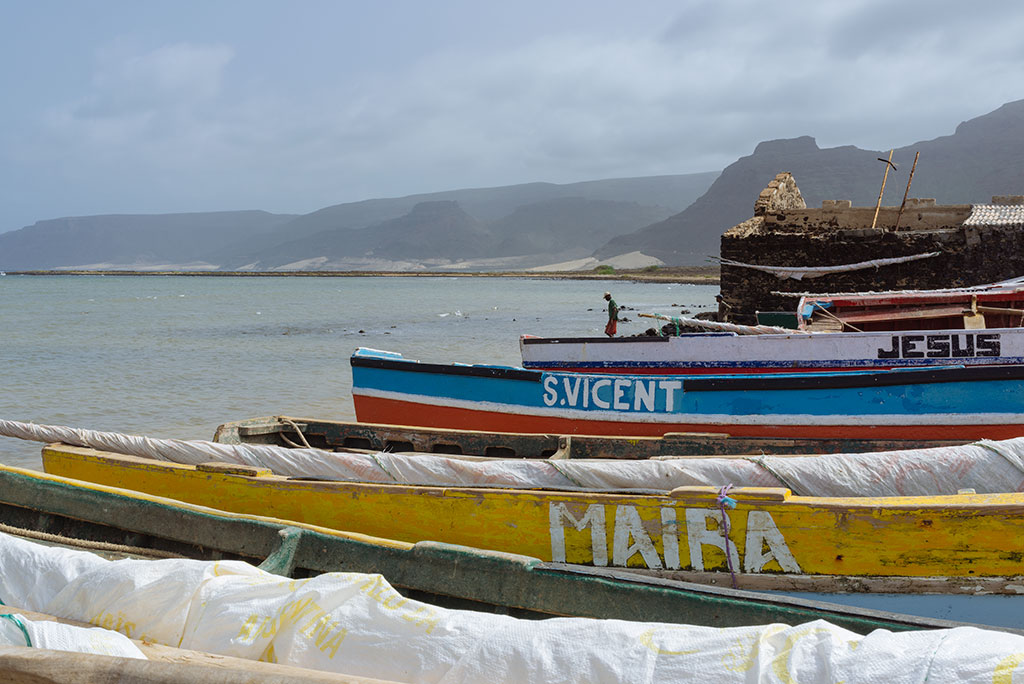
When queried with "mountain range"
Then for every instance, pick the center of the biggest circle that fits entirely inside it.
(675, 219)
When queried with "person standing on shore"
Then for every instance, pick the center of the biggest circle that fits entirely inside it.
(613, 315)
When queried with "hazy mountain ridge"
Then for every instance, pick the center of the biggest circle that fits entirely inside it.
(984, 157)
(678, 219)
(336, 236)
(129, 239)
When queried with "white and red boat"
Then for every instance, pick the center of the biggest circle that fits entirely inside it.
(976, 326)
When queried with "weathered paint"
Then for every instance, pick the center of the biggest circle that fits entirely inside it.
(375, 409)
(770, 531)
(718, 352)
(471, 577)
(945, 403)
(329, 434)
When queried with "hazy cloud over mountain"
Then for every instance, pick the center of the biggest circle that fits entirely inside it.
(121, 106)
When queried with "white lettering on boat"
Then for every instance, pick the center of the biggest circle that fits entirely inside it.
(628, 525)
(593, 518)
(699, 535)
(598, 401)
(765, 543)
(634, 536)
(620, 394)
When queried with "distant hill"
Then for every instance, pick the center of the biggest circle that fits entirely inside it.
(984, 157)
(131, 239)
(678, 219)
(329, 237)
(561, 225)
(334, 231)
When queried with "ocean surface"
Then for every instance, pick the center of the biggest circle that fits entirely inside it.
(174, 356)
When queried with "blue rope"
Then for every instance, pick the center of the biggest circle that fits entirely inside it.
(20, 625)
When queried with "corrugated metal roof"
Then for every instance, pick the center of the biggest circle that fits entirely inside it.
(996, 215)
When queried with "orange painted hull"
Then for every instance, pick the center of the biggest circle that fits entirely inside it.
(392, 411)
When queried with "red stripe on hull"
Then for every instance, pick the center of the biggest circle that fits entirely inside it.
(395, 412)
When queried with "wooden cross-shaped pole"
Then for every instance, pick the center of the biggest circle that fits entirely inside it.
(888, 163)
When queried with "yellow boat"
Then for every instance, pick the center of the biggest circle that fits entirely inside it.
(769, 539)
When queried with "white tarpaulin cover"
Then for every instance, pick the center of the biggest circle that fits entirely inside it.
(986, 466)
(18, 630)
(357, 624)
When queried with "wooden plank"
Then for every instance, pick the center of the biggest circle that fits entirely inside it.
(898, 314)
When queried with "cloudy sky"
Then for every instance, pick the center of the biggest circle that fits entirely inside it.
(202, 105)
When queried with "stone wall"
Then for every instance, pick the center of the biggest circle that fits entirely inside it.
(838, 234)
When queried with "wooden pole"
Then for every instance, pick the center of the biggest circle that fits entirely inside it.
(878, 206)
(906, 192)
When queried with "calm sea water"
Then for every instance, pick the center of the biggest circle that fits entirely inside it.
(177, 356)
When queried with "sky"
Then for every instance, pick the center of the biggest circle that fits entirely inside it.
(114, 107)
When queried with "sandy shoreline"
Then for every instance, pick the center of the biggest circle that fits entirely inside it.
(696, 275)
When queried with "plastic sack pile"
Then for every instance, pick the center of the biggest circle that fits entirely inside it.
(985, 466)
(357, 624)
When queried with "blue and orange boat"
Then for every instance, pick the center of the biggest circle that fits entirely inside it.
(949, 402)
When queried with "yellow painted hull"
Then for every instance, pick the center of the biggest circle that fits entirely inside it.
(769, 531)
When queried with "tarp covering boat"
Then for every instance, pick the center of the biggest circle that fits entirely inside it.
(358, 624)
(985, 466)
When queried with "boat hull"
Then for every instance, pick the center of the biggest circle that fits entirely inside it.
(951, 403)
(772, 535)
(294, 432)
(106, 519)
(723, 353)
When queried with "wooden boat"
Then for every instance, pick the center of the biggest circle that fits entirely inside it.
(120, 523)
(375, 631)
(724, 352)
(334, 435)
(976, 326)
(951, 402)
(997, 308)
(948, 553)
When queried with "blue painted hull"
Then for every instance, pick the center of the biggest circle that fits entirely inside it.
(945, 403)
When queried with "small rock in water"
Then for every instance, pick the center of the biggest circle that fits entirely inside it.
(362, 332)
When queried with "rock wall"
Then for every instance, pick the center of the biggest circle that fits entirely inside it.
(785, 233)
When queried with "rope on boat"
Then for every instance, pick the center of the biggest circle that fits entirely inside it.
(760, 461)
(20, 625)
(725, 501)
(564, 474)
(291, 423)
(87, 544)
(383, 467)
(829, 314)
(1009, 458)
(725, 327)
